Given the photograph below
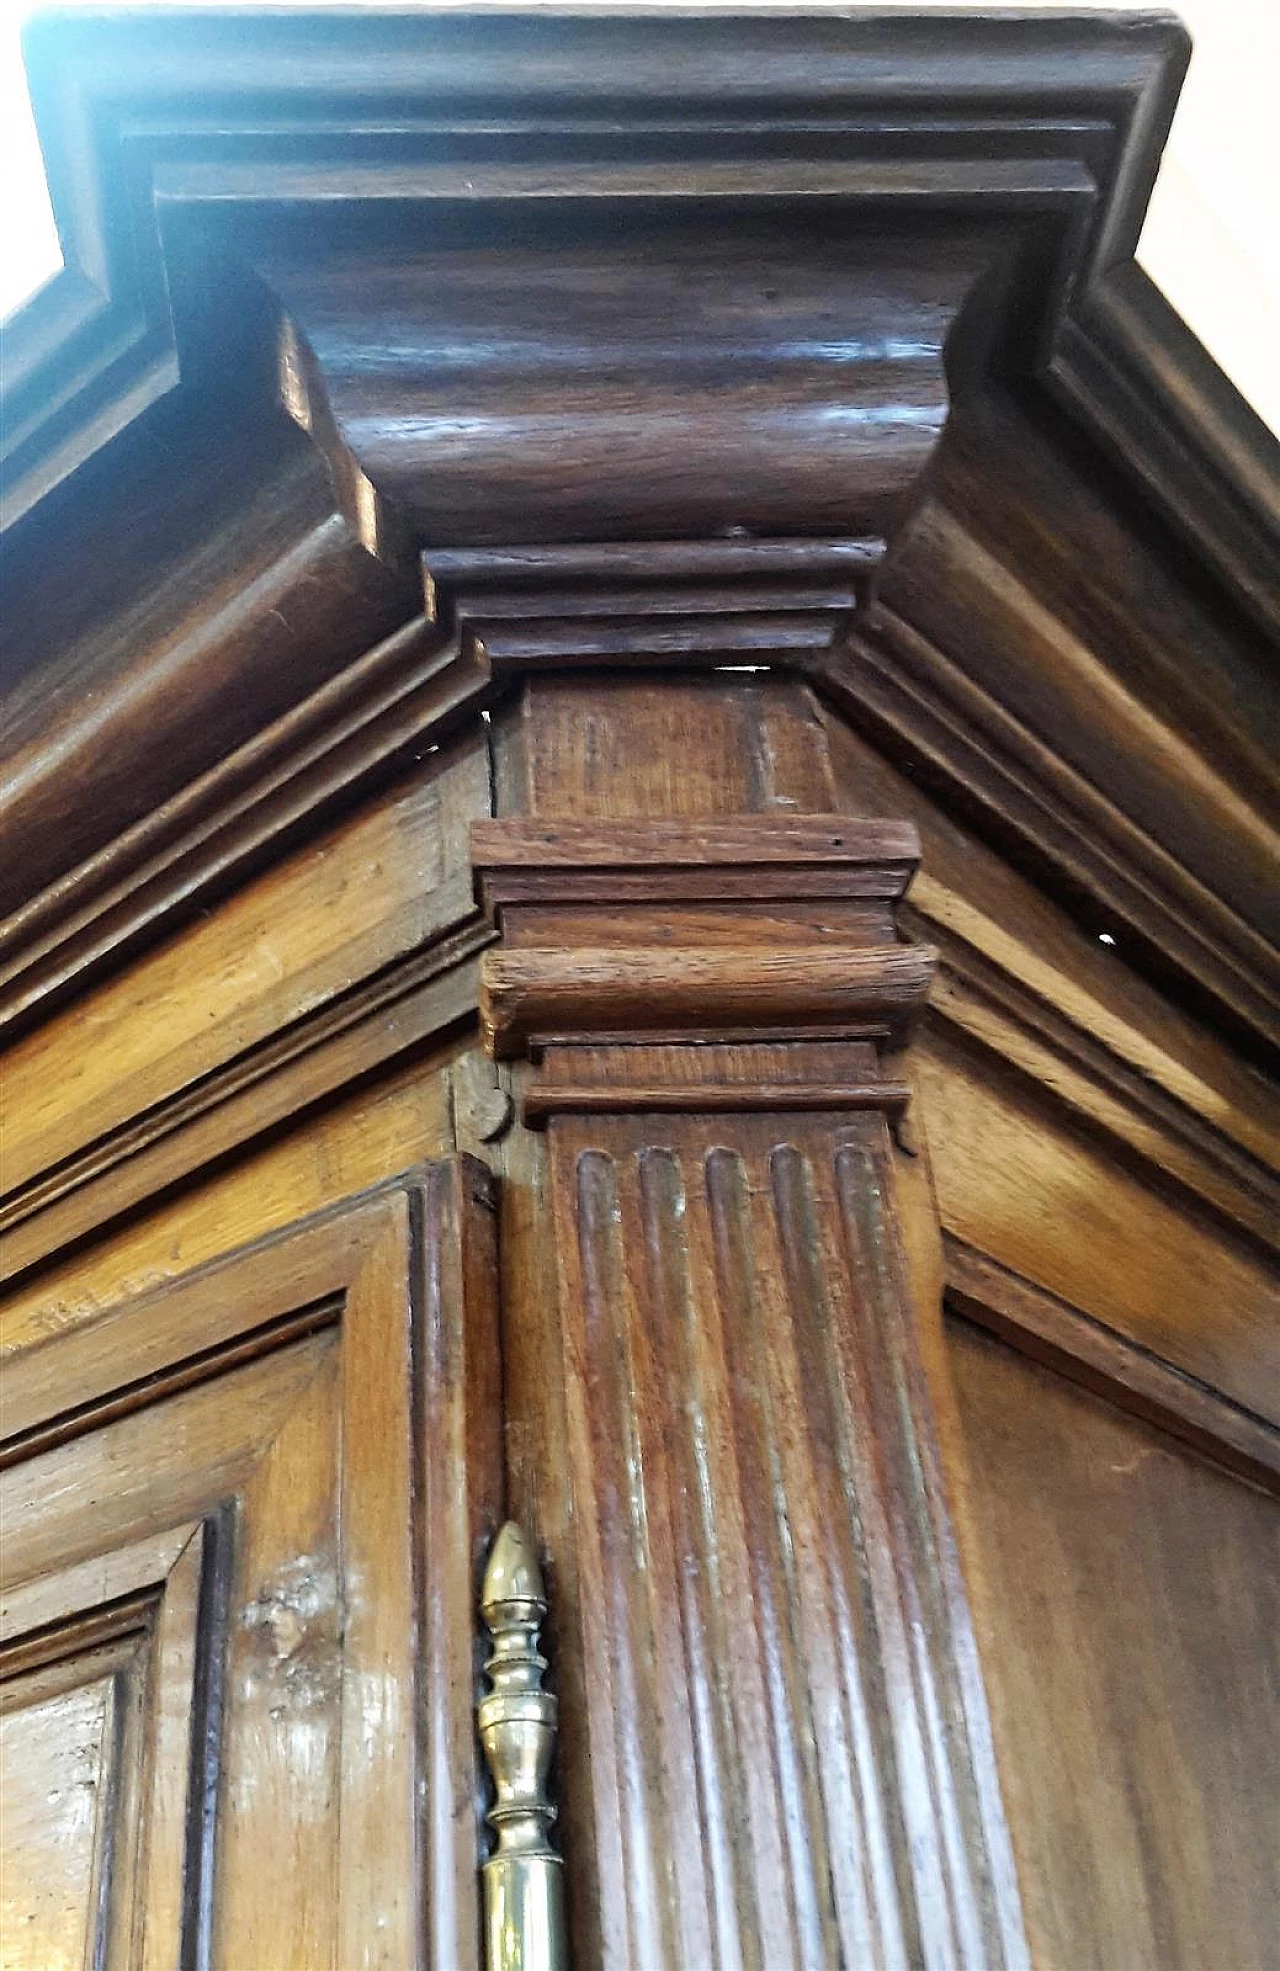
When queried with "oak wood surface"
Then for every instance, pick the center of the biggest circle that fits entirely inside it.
(739, 1552)
(56, 1756)
(529, 529)
(1085, 1350)
(282, 348)
(1129, 1628)
(320, 1414)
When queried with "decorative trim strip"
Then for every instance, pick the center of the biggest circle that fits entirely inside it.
(528, 996)
(422, 994)
(1175, 1145)
(549, 1098)
(501, 571)
(701, 602)
(398, 701)
(1051, 1331)
(891, 682)
(752, 856)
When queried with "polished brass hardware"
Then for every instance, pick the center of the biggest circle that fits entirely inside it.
(523, 1885)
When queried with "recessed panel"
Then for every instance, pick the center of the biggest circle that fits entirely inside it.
(55, 1776)
(1128, 1602)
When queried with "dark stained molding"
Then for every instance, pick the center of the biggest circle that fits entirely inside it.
(702, 603)
(798, 258)
(148, 119)
(1128, 367)
(697, 363)
(188, 589)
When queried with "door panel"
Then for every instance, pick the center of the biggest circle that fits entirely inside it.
(222, 1507)
(101, 1705)
(1129, 1604)
(57, 1768)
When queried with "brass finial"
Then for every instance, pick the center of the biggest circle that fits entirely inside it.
(524, 1894)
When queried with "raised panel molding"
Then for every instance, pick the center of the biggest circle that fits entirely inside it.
(294, 1461)
(126, 1627)
(787, 1756)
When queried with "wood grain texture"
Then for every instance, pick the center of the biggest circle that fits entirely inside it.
(708, 971)
(347, 954)
(610, 424)
(56, 1756)
(783, 1755)
(812, 430)
(1087, 1352)
(527, 997)
(243, 811)
(708, 362)
(1034, 704)
(961, 106)
(217, 584)
(324, 1407)
(117, 1633)
(1049, 1204)
(781, 1772)
(1154, 1115)
(707, 602)
(366, 1135)
(584, 862)
(1129, 1627)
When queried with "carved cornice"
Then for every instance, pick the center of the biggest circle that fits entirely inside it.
(648, 329)
(712, 966)
(680, 368)
(1040, 134)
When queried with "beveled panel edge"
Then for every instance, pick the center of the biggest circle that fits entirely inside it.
(434, 1222)
(1048, 1329)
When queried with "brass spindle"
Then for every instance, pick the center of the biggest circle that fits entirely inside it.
(523, 1877)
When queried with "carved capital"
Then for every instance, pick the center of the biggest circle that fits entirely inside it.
(748, 964)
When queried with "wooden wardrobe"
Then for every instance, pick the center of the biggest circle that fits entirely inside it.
(639, 896)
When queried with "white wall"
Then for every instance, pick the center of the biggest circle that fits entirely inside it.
(1212, 238)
